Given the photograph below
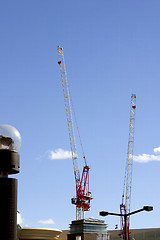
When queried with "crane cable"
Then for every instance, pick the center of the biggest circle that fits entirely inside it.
(124, 185)
(82, 149)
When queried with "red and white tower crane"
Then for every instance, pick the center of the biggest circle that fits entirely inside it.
(126, 197)
(83, 196)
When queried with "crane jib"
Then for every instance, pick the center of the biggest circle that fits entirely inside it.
(126, 196)
(83, 196)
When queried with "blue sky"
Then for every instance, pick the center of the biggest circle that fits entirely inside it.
(111, 51)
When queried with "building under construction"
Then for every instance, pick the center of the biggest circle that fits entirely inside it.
(88, 229)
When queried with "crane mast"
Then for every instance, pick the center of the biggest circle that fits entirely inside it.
(83, 196)
(126, 197)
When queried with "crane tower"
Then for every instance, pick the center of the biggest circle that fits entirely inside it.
(126, 197)
(83, 196)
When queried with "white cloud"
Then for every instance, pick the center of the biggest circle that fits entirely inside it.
(60, 154)
(144, 158)
(156, 150)
(19, 218)
(45, 222)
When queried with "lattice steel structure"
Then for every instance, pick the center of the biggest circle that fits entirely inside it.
(126, 197)
(83, 196)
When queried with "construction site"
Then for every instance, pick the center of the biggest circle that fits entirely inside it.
(82, 228)
(79, 126)
(87, 228)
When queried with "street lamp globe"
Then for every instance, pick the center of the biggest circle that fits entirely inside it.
(10, 137)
